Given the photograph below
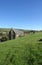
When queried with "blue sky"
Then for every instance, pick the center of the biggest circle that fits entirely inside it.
(24, 14)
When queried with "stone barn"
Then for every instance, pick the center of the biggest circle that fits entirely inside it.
(12, 34)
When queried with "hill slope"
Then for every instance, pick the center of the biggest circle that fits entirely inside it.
(22, 51)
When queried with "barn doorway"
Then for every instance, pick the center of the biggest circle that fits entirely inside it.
(12, 34)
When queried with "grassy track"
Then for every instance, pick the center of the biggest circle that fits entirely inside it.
(26, 50)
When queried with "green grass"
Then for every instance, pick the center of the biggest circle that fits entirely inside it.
(25, 50)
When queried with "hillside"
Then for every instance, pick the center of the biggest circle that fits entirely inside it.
(25, 50)
(17, 30)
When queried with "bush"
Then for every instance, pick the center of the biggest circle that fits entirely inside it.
(4, 38)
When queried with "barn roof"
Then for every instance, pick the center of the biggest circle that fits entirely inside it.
(18, 32)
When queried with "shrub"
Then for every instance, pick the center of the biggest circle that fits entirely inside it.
(4, 38)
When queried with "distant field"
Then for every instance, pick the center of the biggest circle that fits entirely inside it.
(4, 29)
(7, 29)
(25, 50)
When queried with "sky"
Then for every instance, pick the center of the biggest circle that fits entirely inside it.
(21, 14)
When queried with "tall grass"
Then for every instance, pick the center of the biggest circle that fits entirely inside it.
(22, 51)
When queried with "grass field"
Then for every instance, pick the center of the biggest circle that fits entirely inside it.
(25, 50)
